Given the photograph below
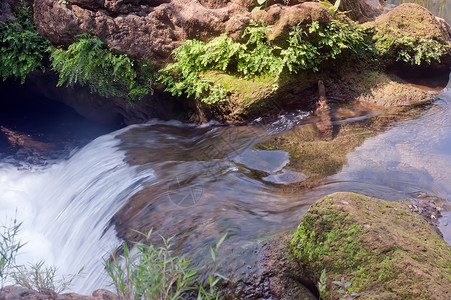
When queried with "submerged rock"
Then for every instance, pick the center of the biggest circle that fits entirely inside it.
(369, 248)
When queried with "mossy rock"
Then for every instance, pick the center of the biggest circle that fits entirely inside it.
(411, 34)
(386, 89)
(379, 249)
(282, 18)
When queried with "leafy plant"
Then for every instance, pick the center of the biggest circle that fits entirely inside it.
(155, 273)
(322, 284)
(260, 4)
(22, 48)
(307, 49)
(344, 285)
(9, 247)
(214, 278)
(88, 61)
(332, 8)
(43, 279)
(407, 48)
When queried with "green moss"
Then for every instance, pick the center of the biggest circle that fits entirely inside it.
(412, 49)
(248, 90)
(411, 34)
(256, 57)
(396, 254)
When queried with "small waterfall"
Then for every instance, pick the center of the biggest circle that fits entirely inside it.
(65, 208)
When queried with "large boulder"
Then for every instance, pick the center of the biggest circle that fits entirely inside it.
(153, 28)
(410, 35)
(351, 244)
(149, 28)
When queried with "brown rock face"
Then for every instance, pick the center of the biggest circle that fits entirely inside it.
(153, 28)
(147, 28)
(283, 18)
(362, 10)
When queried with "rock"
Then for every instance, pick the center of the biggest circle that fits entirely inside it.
(446, 28)
(114, 111)
(25, 141)
(429, 207)
(387, 89)
(6, 13)
(363, 10)
(413, 38)
(267, 270)
(283, 18)
(154, 28)
(413, 20)
(151, 28)
(372, 247)
(17, 292)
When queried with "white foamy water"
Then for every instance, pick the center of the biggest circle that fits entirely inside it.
(66, 208)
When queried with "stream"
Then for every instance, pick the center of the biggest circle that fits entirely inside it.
(77, 199)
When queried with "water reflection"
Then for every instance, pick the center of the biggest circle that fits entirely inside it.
(411, 159)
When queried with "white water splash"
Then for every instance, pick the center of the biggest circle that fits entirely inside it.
(66, 208)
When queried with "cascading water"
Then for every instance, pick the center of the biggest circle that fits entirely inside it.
(66, 207)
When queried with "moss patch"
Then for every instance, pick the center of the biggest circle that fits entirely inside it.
(244, 92)
(410, 33)
(386, 89)
(381, 248)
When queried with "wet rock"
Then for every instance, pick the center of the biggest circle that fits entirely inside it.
(113, 110)
(267, 270)
(25, 141)
(429, 207)
(373, 248)
(16, 293)
(387, 89)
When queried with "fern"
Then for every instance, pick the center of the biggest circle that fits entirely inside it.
(407, 48)
(22, 49)
(306, 50)
(89, 62)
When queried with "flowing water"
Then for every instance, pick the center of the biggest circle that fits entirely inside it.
(200, 182)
